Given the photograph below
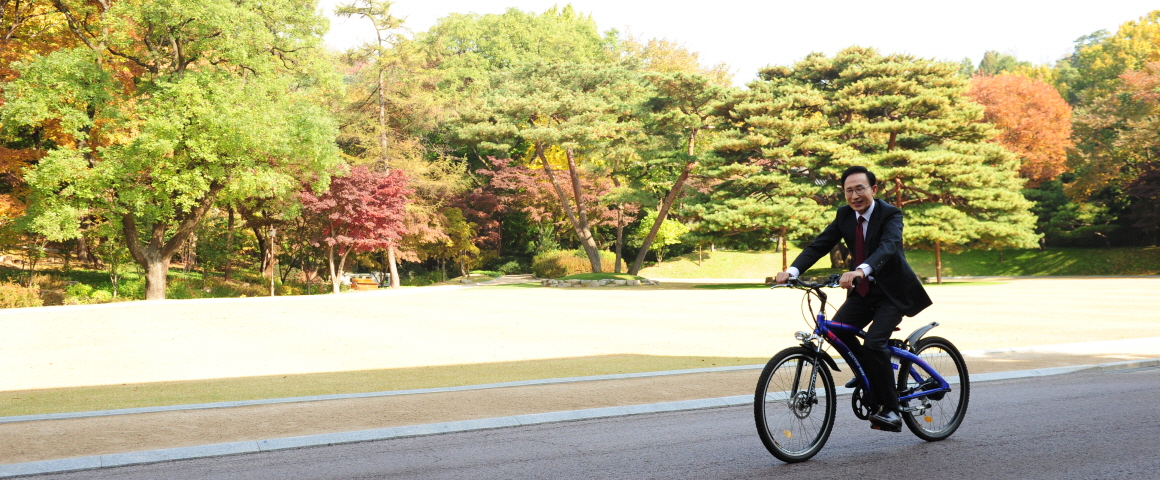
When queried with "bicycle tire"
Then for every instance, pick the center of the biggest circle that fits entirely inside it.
(787, 419)
(939, 415)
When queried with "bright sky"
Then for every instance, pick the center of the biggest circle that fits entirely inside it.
(750, 34)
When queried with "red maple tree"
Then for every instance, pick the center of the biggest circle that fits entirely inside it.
(362, 211)
(1034, 120)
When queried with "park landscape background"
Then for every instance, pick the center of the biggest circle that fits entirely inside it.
(190, 149)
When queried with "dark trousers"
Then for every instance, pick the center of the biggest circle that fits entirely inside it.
(878, 311)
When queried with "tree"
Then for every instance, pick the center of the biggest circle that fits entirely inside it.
(995, 63)
(1100, 58)
(173, 106)
(663, 234)
(1033, 120)
(458, 245)
(683, 106)
(562, 107)
(362, 211)
(907, 119)
(472, 47)
(663, 56)
(1119, 152)
(767, 178)
(400, 84)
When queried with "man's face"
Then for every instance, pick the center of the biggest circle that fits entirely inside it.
(859, 193)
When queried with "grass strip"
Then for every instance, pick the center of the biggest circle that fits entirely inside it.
(110, 397)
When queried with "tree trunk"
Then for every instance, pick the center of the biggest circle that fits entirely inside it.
(840, 257)
(937, 263)
(263, 246)
(156, 255)
(898, 193)
(699, 255)
(581, 230)
(784, 246)
(619, 237)
(273, 257)
(382, 119)
(393, 263)
(619, 231)
(156, 276)
(83, 251)
(335, 270)
(663, 212)
(586, 239)
(229, 242)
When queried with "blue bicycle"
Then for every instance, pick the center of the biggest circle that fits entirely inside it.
(796, 401)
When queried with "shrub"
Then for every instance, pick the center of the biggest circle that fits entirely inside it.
(510, 267)
(79, 290)
(101, 296)
(562, 263)
(14, 295)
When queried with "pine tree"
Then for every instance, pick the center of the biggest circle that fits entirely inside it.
(906, 119)
(567, 106)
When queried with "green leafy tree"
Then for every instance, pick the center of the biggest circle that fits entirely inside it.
(195, 101)
(1100, 58)
(458, 246)
(663, 234)
(471, 47)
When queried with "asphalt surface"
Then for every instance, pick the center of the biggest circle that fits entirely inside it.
(1082, 426)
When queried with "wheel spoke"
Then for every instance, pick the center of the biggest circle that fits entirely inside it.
(794, 411)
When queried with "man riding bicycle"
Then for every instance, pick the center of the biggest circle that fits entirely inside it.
(880, 289)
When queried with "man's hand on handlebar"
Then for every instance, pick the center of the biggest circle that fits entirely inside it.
(847, 280)
(781, 278)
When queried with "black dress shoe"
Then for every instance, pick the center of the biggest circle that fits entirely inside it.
(852, 383)
(889, 421)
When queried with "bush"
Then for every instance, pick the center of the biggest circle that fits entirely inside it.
(510, 267)
(562, 263)
(101, 296)
(79, 290)
(14, 295)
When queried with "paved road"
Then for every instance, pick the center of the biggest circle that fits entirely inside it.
(1081, 426)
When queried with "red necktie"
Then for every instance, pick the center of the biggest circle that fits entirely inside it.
(860, 257)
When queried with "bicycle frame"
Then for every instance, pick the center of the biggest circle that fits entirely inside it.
(827, 329)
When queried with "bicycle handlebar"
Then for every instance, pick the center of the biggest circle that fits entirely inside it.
(831, 281)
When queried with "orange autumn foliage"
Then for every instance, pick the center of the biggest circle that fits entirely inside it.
(1033, 119)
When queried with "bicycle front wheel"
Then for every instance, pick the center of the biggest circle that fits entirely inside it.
(794, 405)
(937, 416)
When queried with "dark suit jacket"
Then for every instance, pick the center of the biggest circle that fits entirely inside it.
(883, 254)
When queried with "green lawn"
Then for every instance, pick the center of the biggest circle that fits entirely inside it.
(1053, 261)
(108, 397)
(720, 264)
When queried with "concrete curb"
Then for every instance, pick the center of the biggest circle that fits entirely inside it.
(184, 453)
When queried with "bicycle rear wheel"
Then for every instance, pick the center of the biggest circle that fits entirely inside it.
(935, 416)
(794, 405)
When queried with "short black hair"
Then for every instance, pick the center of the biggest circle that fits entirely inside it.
(858, 169)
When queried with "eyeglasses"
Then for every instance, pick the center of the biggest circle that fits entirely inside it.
(860, 189)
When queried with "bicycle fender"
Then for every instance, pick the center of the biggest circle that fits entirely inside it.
(912, 340)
